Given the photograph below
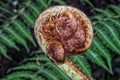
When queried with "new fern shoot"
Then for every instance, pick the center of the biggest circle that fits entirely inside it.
(61, 31)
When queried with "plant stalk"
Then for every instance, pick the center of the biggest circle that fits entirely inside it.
(71, 70)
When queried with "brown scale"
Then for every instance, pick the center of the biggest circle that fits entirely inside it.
(64, 32)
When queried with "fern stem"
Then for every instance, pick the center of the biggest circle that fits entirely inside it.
(71, 70)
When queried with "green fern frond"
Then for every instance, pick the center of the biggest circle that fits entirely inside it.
(82, 64)
(8, 42)
(21, 29)
(89, 3)
(100, 49)
(27, 66)
(34, 9)
(107, 30)
(39, 78)
(37, 52)
(96, 58)
(114, 8)
(3, 52)
(55, 69)
(20, 75)
(106, 40)
(105, 13)
(42, 3)
(47, 74)
(116, 24)
(94, 18)
(111, 32)
(6, 10)
(41, 58)
(60, 2)
(17, 37)
(35, 71)
(28, 19)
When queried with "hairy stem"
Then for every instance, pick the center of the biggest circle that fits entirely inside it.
(71, 70)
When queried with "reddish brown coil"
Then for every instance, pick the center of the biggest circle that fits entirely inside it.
(65, 25)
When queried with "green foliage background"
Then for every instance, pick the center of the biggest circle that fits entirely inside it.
(16, 30)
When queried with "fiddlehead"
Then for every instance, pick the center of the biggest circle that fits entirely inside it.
(61, 31)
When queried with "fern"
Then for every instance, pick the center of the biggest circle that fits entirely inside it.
(59, 2)
(22, 30)
(42, 3)
(89, 3)
(6, 41)
(100, 49)
(55, 69)
(17, 37)
(112, 32)
(34, 69)
(82, 64)
(15, 29)
(105, 13)
(28, 19)
(34, 9)
(3, 50)
(114, 8)
(94, 57)
(106, 41)
(20, 75)
(107, 33)
(26, 66)
(48, 74)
